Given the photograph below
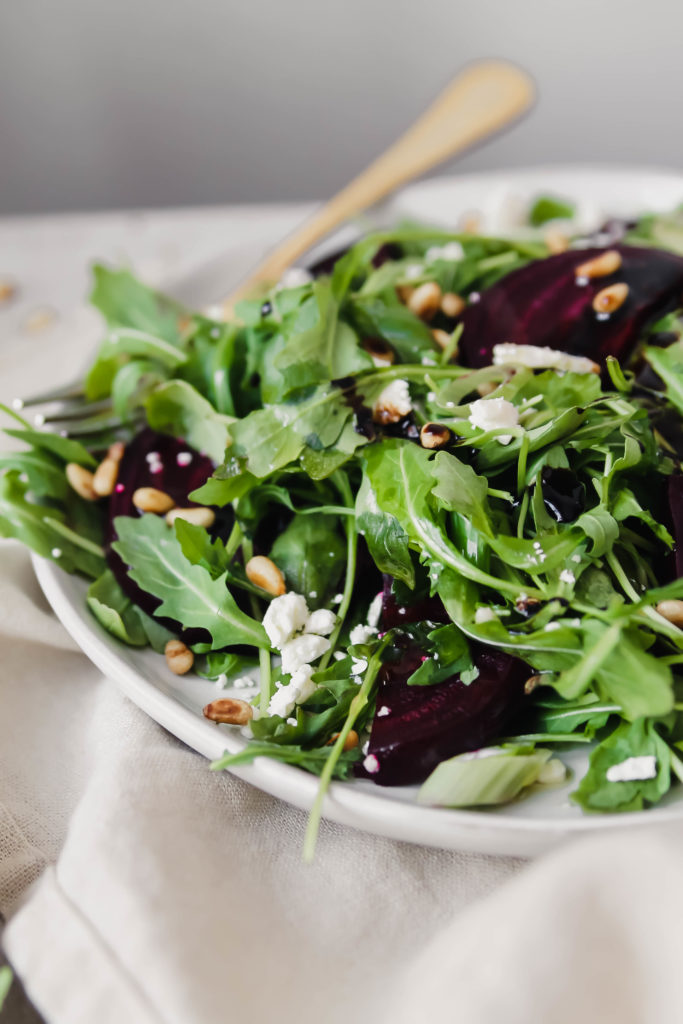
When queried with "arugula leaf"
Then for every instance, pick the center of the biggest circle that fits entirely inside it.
(313, 760)
(64, 448)
(449, 655)
(312, 555)
(630, 739)
(176, 408)
(115, 611)
(387, 541)
(484, 778)
(187, 592)
(125, 302)
(547, 208)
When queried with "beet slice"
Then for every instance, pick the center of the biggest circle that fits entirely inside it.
(394, 614)
(170, 465)
(542, 304)
(417, 727)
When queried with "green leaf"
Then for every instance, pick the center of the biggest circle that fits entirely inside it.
(547, 208)
(176, 408)
(188, 593)
(125, 302)
(407, 334)
(310, 760)
(312, 555)
(5, 983)
(115, 611)
(449, 655)
(602, 529)
(461, 490)
(65, 448)
(386, 539)
(629, 739)
(668, 363)
(481, 779)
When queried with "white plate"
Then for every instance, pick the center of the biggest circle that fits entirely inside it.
(535, 823)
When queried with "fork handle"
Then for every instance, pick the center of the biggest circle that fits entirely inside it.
(481, 100)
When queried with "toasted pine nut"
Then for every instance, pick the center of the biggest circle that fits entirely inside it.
(229, 710)
(487, 387)
(264, 573)
(179, 657)
(531, 684)
(671, 610)
(435, 435)
(452, 304)
(381, 353)
(149, 499)
(610, 299)
(425, 300)
(606, 263)
(556, 241)
(199, 516)
(350, 742)
(81, 480)
(116, 451)
(405, 292)
(442, 338)
(105, 476)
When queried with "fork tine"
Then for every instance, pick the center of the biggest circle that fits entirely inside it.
(91, 425)
(73, 411)
(65, 393)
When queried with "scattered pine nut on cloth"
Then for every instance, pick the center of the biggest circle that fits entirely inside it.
(140, 887)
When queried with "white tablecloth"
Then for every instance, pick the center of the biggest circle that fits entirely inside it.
(140, 887)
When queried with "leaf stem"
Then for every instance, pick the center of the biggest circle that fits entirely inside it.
(74, 538)
(357, 704)
(342, 482)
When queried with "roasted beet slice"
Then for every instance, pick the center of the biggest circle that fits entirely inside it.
(152, 460)
(542, 304)
(417, 727)
(395, 614)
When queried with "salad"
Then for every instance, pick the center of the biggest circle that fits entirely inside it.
(420, 508)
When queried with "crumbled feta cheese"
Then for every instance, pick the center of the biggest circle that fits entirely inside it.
(221, 682)
(56, 552)
(393, 403)
(184, 458)
(294, 277)
(567, 576)
(483, 615)
(550, 627)
(337, 599)
(538, 357)
(286, 615)
(358, 665)
(302, 649)
(244, 683)
(375, 611)
(371, 764)
(552, 771)
(298, 690)
(366, 746)
(450, 251)
(338, 655)
(313, 593)
(633, 769)
(493, 413)
(383, 711)
(291, 721)
(321, 621)
(361, 634)
(576, 558)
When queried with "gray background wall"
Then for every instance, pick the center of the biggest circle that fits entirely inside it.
(159, 102)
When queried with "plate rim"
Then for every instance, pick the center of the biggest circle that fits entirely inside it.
(446, 828)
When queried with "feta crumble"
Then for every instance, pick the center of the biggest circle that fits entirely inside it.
(375, 611)
(383, 712)
(483, 615)
(393, 403)
(321, 621)
(285, 616)
(538, 357)
(492, 414)
(371, 764)
(302, 649)
(567, 576)
(361, 634)
(298, 690)
(633, 769)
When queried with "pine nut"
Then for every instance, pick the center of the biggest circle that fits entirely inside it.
(671, 610)
(149, 499)
(442, 338)
(350, 742)
(606, 263)
(405, 292)
(452, 304)
(81, 480)
(556, 241)
(425, 300)
(199, 516)
(264, 573)
(116, 451)
(531, 684)
(379, 351)
(105, 476)
(610, 299)
(435, 435)
(179, 657)
(229, 710)
(487, 387)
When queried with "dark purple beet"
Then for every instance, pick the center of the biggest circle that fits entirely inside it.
(420, 726)
(395, 615)
(675, 495)
(138, 468)
(541, 304)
